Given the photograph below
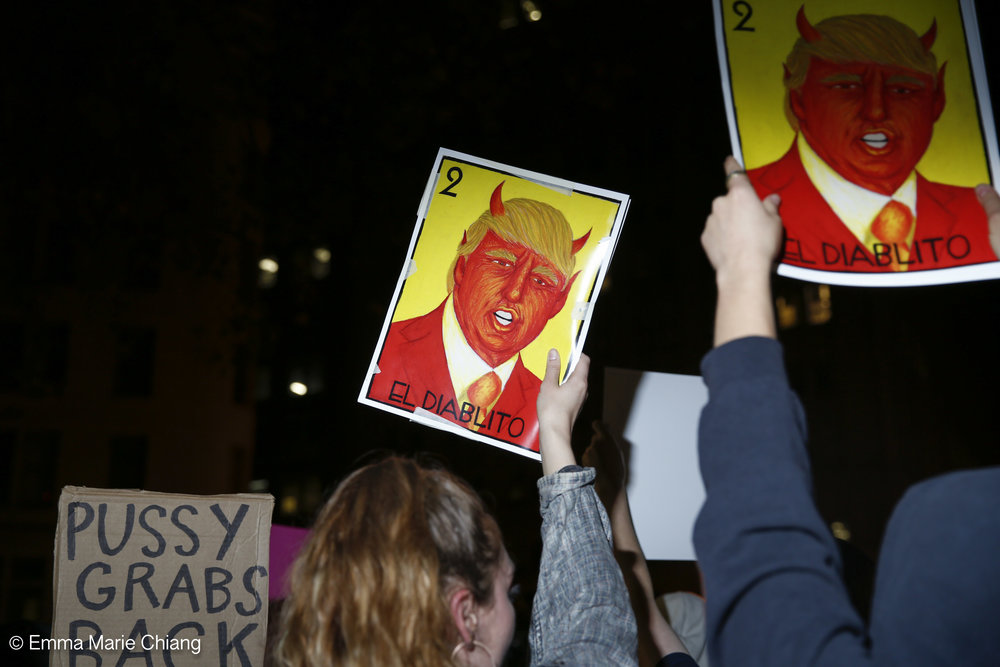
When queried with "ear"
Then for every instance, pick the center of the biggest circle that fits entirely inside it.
(939, 93)
(561, 301)
(795, 103)
(459, 272)
(463, 615)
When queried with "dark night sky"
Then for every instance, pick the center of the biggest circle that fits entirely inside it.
(317, 122)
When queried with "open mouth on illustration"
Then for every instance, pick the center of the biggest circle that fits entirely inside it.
(503, 317)
(876, 140)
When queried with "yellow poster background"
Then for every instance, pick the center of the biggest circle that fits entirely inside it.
(956, 154)
(447, 219)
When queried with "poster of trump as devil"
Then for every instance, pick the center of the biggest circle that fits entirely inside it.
(872, 121)
(503, 265)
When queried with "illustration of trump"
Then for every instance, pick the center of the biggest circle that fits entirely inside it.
(512, 273)
(863, 93)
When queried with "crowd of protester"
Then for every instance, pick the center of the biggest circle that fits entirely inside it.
(405, 566)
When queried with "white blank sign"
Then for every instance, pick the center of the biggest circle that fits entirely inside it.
(655, 417)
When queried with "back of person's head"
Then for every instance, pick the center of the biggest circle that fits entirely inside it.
(371, 585)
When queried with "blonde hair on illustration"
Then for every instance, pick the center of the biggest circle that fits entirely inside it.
(527, 222)
(371, 585)
(857, 38)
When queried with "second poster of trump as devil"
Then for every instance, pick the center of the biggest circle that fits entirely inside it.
(872, 121)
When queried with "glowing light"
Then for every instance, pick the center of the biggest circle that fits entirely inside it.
(322, 255)
(268, 265)
(840, 531)
(289, 504)
(298, 389)
(788, 314)
(820, 305)
(531, 10)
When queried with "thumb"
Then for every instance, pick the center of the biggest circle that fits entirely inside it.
(989, 199)
(552, 367)
(771, 203)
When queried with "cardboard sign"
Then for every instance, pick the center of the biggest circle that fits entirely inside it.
(502, 266)
(160, 579)
(655, 417)
(872, 121)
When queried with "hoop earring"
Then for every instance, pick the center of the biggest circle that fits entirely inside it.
(474, 645)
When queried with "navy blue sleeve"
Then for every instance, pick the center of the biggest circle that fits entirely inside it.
(773, 586)
(677, 660)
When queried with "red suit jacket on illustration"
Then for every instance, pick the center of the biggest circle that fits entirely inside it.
(951, 226)
(414, 373)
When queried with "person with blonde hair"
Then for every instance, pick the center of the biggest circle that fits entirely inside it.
(406, 567)
(398, 549)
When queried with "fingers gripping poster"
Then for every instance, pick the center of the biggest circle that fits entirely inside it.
(872, 120)
(503, 265)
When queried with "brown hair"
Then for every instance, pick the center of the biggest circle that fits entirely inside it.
(370, 586)
(857, 38)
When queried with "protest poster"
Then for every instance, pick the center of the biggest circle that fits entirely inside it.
(872, 120)
(654, 417)
(159, 579)
(503, 265)
(286, 543)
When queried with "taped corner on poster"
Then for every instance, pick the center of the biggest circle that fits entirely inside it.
(558, 187)
(429, 418)
(411, 268)
(580, 310)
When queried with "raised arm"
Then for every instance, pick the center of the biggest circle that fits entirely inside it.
(581, 613)
(558, 407)
(656, 637)
(742, 238)
(773, 585)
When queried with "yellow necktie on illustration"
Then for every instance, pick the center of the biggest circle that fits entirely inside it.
(483, 393)
(892, 226)
(484, 390)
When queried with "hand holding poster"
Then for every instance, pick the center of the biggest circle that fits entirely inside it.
(160, 579)
(873, 123)
(501, 268)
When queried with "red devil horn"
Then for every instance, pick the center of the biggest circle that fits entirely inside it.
(496, 205)
(580, 242)
(927, 39)
(808, 32)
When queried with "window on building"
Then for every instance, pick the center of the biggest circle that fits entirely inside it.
(8, 443)
(26, 583)
(11, 356)
(57, 251)
(141, 266)
(47, 359)
(35, 461)
(127, 464)
(241, 375)
(134, 356)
